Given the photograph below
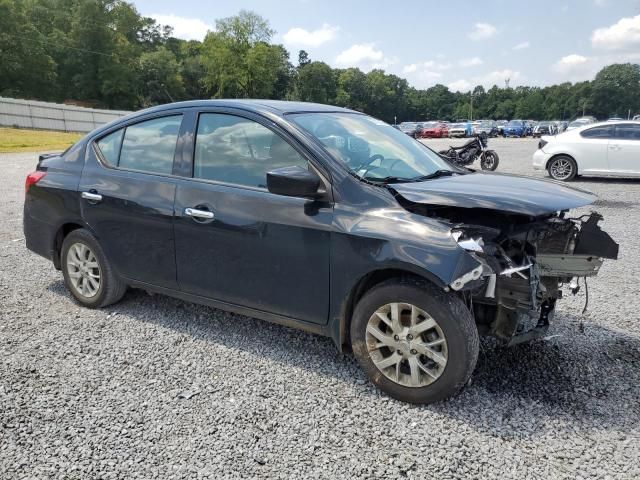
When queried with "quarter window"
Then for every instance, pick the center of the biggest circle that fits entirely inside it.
(239, 151)
(110, 146)
(628, 131)
(605, 131)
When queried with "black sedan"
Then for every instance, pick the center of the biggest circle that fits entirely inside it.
(319, 218)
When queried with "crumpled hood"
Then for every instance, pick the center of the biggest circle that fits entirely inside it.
(494, 191)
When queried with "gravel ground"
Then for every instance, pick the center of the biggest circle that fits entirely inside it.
(158, 388)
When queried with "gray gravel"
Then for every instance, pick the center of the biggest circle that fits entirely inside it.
(158, 388)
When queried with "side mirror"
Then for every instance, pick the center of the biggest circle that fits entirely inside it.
(293, 181)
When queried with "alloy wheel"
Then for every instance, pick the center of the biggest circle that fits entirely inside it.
(406, 344)
(561, 169)
(83, 270)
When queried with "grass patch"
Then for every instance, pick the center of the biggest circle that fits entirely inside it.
(19, 140)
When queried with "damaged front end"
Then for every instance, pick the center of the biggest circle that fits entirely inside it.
(525, 256)
(523, 267)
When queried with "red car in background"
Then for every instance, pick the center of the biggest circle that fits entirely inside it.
(433, 130)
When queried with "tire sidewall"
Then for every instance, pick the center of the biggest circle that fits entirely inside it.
(84, 237)
(461, 358)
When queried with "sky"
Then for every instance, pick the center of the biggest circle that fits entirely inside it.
(461, 45)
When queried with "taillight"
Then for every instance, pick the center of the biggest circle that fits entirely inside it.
(32, 179)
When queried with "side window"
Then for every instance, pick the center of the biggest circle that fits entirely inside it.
(239, 151)
(605, 131)
(628, 131)
(110, 146)
(151, 145)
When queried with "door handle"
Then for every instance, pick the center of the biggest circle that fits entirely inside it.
(92, 197)
(195, 213)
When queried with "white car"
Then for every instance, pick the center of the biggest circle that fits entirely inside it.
(580, 122)
(600, 149)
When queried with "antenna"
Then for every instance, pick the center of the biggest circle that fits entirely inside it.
(506, 82)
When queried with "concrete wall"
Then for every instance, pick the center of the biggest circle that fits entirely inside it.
(53, 116)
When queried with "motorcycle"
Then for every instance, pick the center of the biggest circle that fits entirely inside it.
(472, 150)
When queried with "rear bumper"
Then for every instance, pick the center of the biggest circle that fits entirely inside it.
(38, 236)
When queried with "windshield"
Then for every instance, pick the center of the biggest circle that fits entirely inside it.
(486, 123)
(515, 123)
(370, 148)
(429, 125)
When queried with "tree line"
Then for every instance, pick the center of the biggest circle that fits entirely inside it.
(103, 53)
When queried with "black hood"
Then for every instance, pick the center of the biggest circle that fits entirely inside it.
(507, 193)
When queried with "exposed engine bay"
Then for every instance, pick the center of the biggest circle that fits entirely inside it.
(524, 263)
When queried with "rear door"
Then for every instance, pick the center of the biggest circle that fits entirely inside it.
(624, 149)
(128, 192)
(238, 243)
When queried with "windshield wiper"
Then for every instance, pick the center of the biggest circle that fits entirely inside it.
(436, 174)
(387, 179)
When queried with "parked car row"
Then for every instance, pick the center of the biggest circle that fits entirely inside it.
(494, 128)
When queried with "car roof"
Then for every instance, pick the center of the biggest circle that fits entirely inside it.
(274, 107)
(258, 105)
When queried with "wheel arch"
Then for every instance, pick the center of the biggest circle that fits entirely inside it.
(366, 283)
(63, 230)
(562, 154)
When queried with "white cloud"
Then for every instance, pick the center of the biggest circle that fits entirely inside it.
(498, 77)
(521, 46)
(600, 3)
(570, 64)
(482, 31)
(621, 35)
(304, 38)
(470, 62)
(425, 74)
(365, 56)
(576, 67)
(459, 86)
(185, 28)
(488, 80)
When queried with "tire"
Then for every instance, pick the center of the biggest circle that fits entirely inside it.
(453, 322)
(562, 168)
(76, 262)
(489, 160)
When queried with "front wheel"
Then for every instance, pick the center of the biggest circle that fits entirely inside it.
(489, 160)
(415, 342)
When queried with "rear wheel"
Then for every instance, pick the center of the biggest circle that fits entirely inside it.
(415, 342)
(87, 272)
(562, 168)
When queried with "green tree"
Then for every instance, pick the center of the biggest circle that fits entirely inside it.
(26, 69)
(616, 90)
(315, 83)
(160, 79)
